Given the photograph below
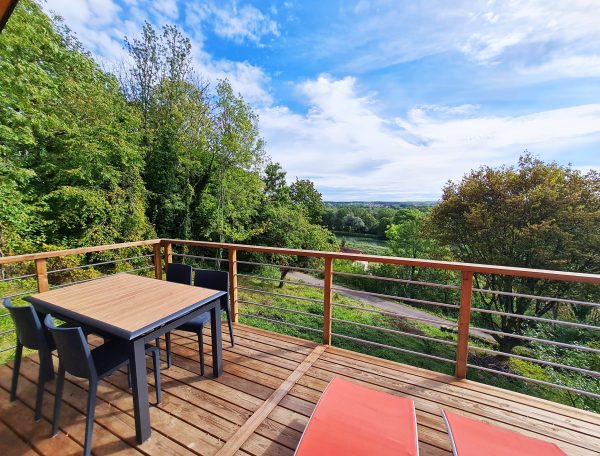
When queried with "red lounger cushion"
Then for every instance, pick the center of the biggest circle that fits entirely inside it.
(353, 420)
(474, 438)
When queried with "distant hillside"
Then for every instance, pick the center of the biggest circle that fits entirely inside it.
(392, 204)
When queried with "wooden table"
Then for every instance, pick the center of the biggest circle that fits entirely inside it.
(138, 309)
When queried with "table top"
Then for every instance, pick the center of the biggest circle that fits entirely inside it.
(125, 305)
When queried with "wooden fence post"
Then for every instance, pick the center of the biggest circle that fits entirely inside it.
(168, 253)
(157, 261)
(464, 322)
(233, 287)
(327, 298)
(41, 274)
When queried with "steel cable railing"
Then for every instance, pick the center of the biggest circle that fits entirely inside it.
(381, 328)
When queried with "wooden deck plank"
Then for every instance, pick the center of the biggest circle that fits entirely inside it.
(439, 383)
(433, 402)
(12, 445)
(431, 406)
(72, 421)
(265, 409)
(108, 415)
(486, 390)
(19, 418)
(199, 415)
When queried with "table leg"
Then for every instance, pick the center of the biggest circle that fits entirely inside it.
(217, 346)
(139, 385)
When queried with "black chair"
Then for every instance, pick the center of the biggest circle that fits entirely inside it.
(31, 334)
(216, 280)
(177, 273)
(75, 357)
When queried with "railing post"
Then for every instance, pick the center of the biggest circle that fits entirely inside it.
(464, 322)
(168, 253)
(327, 298)
(233, 287)
(157, 261)
(41, 274)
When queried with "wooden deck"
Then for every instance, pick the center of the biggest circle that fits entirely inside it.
(262, 402)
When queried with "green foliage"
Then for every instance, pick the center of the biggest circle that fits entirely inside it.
(285, 219)
(536, 215)
(68, 141)
(304, 194)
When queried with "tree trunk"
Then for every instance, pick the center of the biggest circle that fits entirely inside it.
(284, 273)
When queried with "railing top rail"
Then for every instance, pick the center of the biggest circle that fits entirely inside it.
(449, 265)
(76, 251)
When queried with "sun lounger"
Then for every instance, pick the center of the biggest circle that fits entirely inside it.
(352, 420)
(474, 438)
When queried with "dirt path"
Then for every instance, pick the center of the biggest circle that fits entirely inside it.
(396, 307)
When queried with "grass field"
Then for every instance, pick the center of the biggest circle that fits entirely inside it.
(368, 245)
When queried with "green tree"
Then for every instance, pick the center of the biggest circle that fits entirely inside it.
(406, 239)
(305, 195)
(534, 215)
(276, 187)
(284, 220)
(239, 152)
(353, 223)
(66, 122)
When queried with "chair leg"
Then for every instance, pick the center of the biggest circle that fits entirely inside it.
(128, 376)
(60, 381)
(168, 344)
(39, 396)
(15, 374)
(156, 359)
(89, 422)
(201, 350)
(229, 323)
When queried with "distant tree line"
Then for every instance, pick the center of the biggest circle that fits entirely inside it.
(368, 218)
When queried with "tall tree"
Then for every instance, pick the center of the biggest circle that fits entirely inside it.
(176, 127)
(305, 195)
(534, 215)
(66, 122)
(239, 152)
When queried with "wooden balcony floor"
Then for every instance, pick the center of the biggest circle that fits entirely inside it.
(199, 415)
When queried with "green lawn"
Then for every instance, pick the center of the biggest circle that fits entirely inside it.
(367, 245)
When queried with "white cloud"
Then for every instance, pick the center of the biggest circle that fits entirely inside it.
(525, 35)
(93, 21)
(352, 152)
(241, 23)
(101, 26)
(235, 22)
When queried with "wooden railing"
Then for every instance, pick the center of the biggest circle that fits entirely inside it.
(162, 255)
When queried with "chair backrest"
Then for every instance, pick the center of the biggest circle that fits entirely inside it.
(179, 273)
(27, 325)
(216, 280)
(73, 350)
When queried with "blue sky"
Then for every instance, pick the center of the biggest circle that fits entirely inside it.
(388, 100)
